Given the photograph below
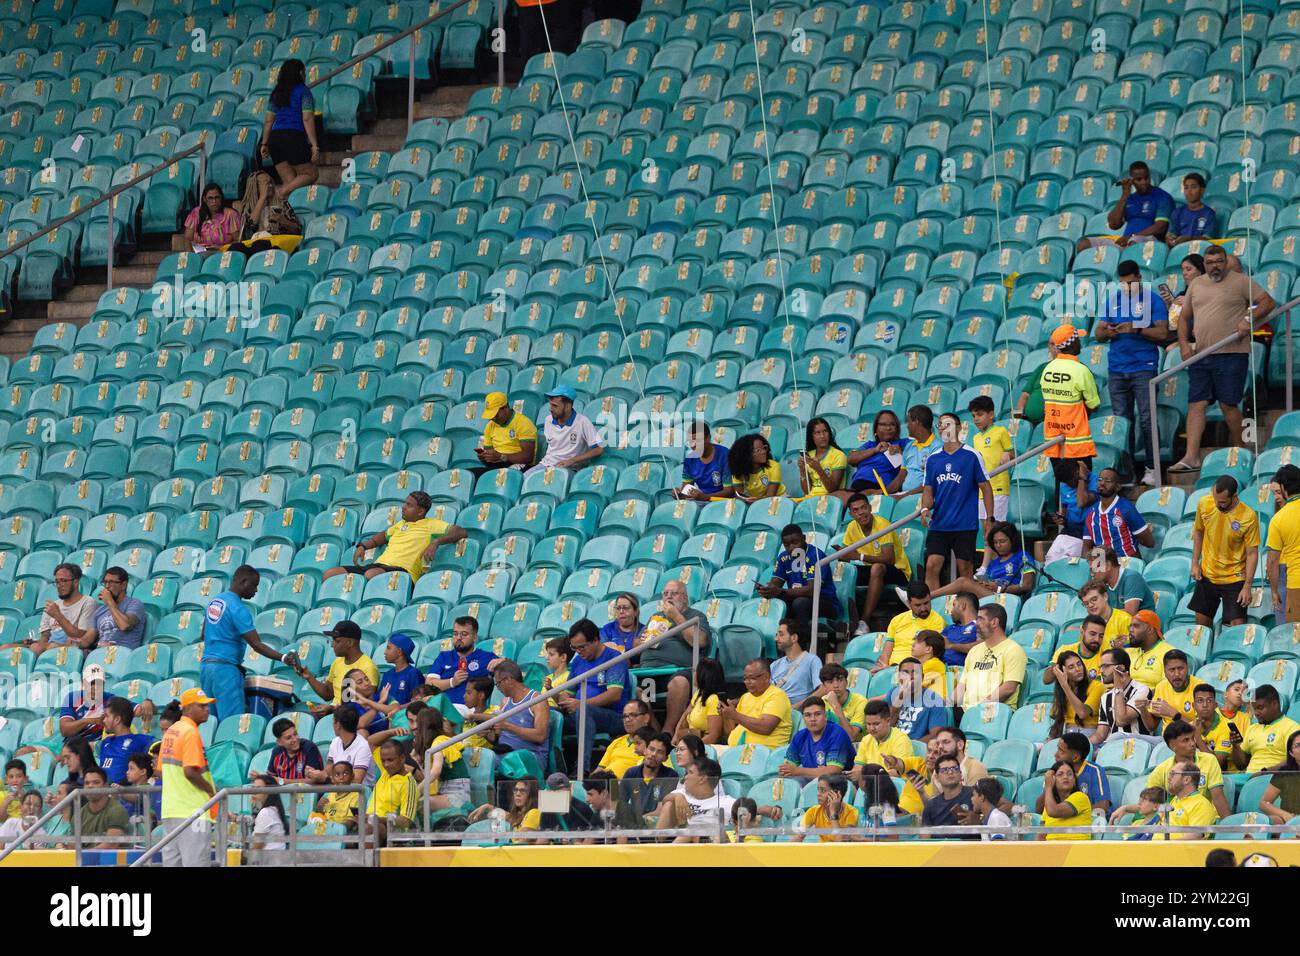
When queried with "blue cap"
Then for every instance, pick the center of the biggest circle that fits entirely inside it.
(403, 644)
(563, 391)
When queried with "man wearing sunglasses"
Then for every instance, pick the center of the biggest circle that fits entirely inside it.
(119, 618)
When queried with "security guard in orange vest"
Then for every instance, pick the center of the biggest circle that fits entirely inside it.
(1069, 394)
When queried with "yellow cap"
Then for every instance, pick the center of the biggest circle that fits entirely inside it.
(494, 402)
(195, 695)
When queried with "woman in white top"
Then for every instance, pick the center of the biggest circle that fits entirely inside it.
(12, 827)
(270, 821)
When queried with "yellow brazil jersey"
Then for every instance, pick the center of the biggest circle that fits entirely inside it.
(772, 701)
(1116, 633)
(407, 541)
(757, 484)
(478, 740)
(1217, 736)
(1093, 699)
(1226, 539)
(506, 438)
(1148, 667)
(988, 668)
(1266, 743)
(1180, 702)
(697, 718)
(341, 807)
(934, 676)
(816, 819)
(558, 678)
(339, 670)
(1192, 810)
(1211, 774)
(1284, 538)
(834, 460)
(855, 711)
(902, 631)
(1082, 817)
(991, 445)
(853, 534)
(620, 756)
(394, 793)
(1093, 664)
(871, 750)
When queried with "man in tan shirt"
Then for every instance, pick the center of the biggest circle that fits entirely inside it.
(1219, 304)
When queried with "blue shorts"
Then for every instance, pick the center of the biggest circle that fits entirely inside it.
(1219, 378)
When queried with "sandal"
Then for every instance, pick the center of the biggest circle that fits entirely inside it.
(1182, 468)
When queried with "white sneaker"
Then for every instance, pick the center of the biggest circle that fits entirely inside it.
(902, 594)
(1150, 477)
(861, 629)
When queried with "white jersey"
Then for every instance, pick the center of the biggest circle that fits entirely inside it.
(704, 812)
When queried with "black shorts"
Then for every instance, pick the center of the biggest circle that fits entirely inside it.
(1207, 596)
(960, 543)
(363, 568)
(894, 578)
(289, 146)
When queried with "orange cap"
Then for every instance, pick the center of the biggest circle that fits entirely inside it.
(1064, 335)
(1151, 620)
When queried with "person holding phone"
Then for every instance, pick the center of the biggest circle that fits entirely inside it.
(1141, 211)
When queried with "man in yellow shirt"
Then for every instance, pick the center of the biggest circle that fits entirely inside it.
(879, 741)
(1147, 648)
(843, 706)
(885, 558)
(411, 544)
(1090, 646)
(993, 442)
(763, 713)
(1096, 601)
(995, 667)
(620, 755)
(1180, 737)
(1213, 723)
(1172, 698)
(346, 639)
(509, 437)
(903, 629)
(1187, 807)
(1265, 739)
(394, 794)
(1225, 554)
(1284, 543)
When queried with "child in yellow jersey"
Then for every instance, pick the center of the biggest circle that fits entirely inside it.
(1216, 725)
(339, 807)
(993, 442)
(558, 656)
(478, 691)
(928, 648)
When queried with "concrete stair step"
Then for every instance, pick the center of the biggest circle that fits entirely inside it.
(383, 142)
(64, 311)
(388, 126)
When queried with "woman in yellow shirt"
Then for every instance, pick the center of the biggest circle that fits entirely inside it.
(1064, 804)
(822, 466)
(1077, 696)
(754, 473)
(522, 813)
(704, 717)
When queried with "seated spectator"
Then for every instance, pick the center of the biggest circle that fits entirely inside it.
(920, 445)
(212, 223)
(395, 795)
(879, 741)
(822, 466)
(1095, 596)
(620, 756)
(101, 815)
(626, 629)
(762, 715)
(118, 743)
(69, 618)
(1142, 211)
(1076, 697)
(1192, 219)
(373, 719)
(270, 827)
(745, 814)
(1281, 800)
(884, 560)
(607, 692)
(397, 685)
(928, 648)
(795, 671)
(993, 442)
(1172, 698)
(1072, 750)
(917, 711)
(703, 718)
(530, 729)
(878, 464)
(340, 807)
(345, 638)
(1147, 648)
(1146, 812)
(580, 815)
(1075, 497)
(265, 217)
(878, 791)
(903, 628)
(520, 813)
(1180, 738)
(26, 809)
(677, 650)
(1114, 522)
(16, 784)
(706, 474)
(292, 757)
(1127, 590)
(962, 633)
(1092, 634)
(119, 618)
(452, 668)
(77, 756)
(688, 750)
(645, 786)
(832, 812)
(1187, 806)
(953, 796)
(792, 579)
(955, 483)
(478, 691)
(986, 800)
(818, 748)
(449, 784)
(571, 438)
(1064, 804)
(289, 135)
(1217, 726)
(843, 706)
(699, 805)
(558, 656)
(755, 473)
(347, 745)
(1265, 740)
(995, 668)
(410, 545)
(509, 437)
(1007, 569)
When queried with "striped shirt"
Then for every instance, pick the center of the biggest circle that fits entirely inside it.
(1115, 527)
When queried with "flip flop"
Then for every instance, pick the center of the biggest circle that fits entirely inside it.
(1181, 468)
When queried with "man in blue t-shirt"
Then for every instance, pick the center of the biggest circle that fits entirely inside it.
(607, 691)
(227, 629)
(452, 668)
(118, 743)
(818, 748)
(955, 479)
(1142, 211)
(960, 635)
(706, 473)
(1192, 219)
(792, 579)
(397, 686)
(1135, 321)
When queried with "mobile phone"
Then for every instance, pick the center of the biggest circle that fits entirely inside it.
(1164, 288)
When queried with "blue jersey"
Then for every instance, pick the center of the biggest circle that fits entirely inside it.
(1194, 222)
(1115, 527)
(1094, 782)
(958, 634)
(955, 480)
(1070, 504)
(75, 706)
(1144, 211)
(447, 663)
(380, 722)
(915, 455)
(290, 117)
(114, 752)
(710, 478)
(877, 464)
(227, 618)
(916, 718)
(1130, 352)
(597, 684)
(834, 748)
(611, 633)
(1009, 570)
(401, 684)
(795, 568)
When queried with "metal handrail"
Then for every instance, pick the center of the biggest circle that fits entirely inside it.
(1209, 350)
(899, 523)
(75, 796)
(580, 681)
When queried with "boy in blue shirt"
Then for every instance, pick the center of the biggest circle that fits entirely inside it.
(118, 743)
(397, 686)
(792, 579)
(955, 480)
(820, 747)
(706, 473)
(1193, 219)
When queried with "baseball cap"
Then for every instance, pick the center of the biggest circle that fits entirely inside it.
(557, 781)
(1064, 335)
(195, 695)
(345, 629)
(563, 391)
(93, 672)
(1151, 620)
(403, 644)
(494, 402)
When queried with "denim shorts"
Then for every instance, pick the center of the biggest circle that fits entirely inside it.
(1219, 378)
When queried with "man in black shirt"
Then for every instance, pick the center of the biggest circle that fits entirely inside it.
(941, 809)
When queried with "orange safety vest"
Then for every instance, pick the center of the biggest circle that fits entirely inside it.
(1069, 391)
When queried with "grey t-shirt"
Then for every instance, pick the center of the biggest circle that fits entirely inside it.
(675, 651)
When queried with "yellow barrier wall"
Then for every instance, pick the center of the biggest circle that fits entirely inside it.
(1058, 853)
